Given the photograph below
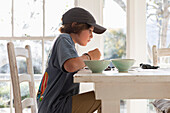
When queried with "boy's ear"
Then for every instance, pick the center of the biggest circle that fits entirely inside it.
(73, 24)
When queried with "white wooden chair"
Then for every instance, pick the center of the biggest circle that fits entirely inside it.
(161, 105)
(17, 79)
(161, 52)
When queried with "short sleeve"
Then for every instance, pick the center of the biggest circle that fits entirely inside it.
(65, 49)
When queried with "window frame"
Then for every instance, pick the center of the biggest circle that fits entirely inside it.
(42, 38)
(136, 29)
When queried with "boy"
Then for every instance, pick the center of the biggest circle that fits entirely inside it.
(57, 92)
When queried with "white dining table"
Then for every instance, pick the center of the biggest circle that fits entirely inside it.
(112, 86)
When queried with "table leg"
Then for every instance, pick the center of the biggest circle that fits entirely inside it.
(110, 106)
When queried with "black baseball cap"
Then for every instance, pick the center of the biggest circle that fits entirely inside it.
(81, 15)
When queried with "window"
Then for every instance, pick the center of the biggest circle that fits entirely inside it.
(158, 25)
(33, 22)
(114, 18)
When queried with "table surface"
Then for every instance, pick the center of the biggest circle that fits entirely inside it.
(134, 75)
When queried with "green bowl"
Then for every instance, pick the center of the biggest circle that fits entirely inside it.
(97, 66)
(123, 65)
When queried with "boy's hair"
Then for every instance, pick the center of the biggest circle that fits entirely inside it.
(77, 28)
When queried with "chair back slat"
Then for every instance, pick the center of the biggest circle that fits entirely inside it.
(22, 52)
(27, 102)
(25, 78)
(164, 52)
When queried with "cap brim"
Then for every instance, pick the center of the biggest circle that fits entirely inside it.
(98, 29)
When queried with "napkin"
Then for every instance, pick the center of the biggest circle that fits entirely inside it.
(162, 105)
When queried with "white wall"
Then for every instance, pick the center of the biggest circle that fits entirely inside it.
(136, 44)
(136, 31)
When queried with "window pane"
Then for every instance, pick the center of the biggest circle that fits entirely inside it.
(21, 65)
(28, 18)
(47, 46)
(24, 86)
(4, 95)
(168, 34)
(5, 18)
(158, 25)
(54, 11)
(115, 36)
(36, 51)
(4, 67)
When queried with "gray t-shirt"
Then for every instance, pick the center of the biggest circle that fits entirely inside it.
(57, 88)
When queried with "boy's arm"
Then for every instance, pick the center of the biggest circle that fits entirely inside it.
(75, 64)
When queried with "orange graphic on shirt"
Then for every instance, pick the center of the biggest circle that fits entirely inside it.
(44, 83)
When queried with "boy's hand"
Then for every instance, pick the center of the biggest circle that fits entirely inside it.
(95, 54)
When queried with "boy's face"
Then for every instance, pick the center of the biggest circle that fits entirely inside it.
(85, 36)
